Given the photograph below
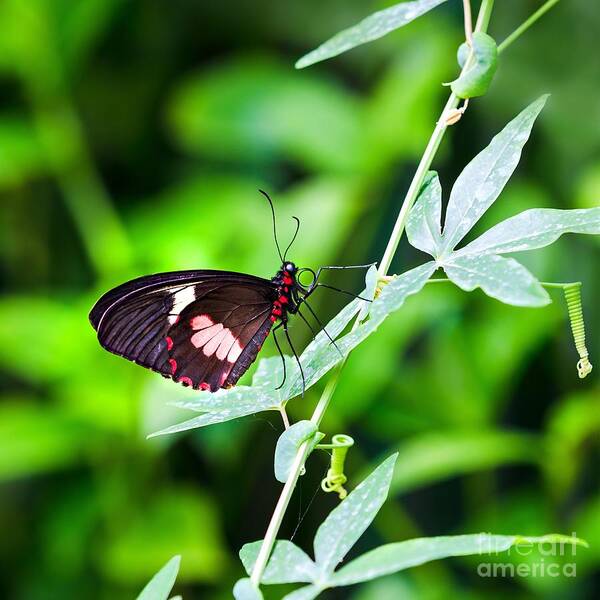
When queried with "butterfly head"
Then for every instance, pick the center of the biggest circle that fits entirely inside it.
(289, 267)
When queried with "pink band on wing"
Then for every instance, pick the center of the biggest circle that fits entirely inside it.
(205, 335)
(201, 322)
(211, 347)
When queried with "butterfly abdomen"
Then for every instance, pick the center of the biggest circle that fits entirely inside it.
(285, 283)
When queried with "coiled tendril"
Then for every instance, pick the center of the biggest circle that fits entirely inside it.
(572, 293)
(335, 480)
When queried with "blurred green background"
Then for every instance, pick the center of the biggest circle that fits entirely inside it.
(133, 138)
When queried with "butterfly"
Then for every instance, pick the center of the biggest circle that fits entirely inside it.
(204, 328)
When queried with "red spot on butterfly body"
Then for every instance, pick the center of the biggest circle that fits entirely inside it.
(283, 299)
(273, 318)
(287, 280)
(173, 364)
(169, 341)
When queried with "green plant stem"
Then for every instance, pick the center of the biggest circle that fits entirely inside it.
(519, 31)
(430, 151)
(468, 20)
(484, 16)
(411, 195)
(416, 183)
(290, 484)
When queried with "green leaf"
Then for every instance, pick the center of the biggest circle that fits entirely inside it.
(236, 402)
(395, 293)
(371, 279)
(160, 586)
(477, 264)
(348, 521)
(502, 278)
(482, 180)
(287, 446)
(392, 558)
(372, 28)
(433, 457)
(321, 355)
(244, 589)
(477, 79)
(423, 227)
(287, 563)
(531, 229)
(308, 592)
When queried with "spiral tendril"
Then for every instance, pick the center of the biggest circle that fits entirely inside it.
(335, 479)
(572, 293)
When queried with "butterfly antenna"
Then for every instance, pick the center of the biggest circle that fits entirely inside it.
(293, 237)
(274, 223)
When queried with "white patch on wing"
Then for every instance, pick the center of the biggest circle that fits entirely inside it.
(181, 298)
(213, 338)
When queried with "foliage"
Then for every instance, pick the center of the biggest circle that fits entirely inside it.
(476, 188)
(373, 27)
(344, 526)
(160, 585)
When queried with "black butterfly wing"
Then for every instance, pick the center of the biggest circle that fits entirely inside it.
(201, 328)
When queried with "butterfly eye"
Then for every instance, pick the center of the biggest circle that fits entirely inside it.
(290, 267)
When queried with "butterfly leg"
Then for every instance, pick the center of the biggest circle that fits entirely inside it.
(314, 333)
(280, 354)
(339, 268)
(287, 335)
(316, 284)
(330, 287)
(316, 318)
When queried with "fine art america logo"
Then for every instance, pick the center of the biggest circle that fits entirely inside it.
(543, 558)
